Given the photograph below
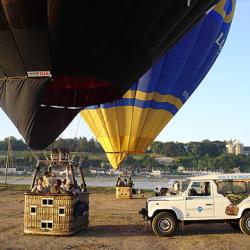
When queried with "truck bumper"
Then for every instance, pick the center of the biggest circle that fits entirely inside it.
(144, 213)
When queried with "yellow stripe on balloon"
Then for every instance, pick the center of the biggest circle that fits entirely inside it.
(219, 8)
(154, 96)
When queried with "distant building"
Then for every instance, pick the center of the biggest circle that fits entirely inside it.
(236, 170)
(180, 169)
(200, 172)
(10, 170)
(237, 148)
(113, 172)
(158, 173)
(93, 171)
(234, 147)
(246, 151)
(165, 160)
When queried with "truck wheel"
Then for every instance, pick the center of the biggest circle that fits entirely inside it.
(245, 223)
(234, 225)
(164, 224)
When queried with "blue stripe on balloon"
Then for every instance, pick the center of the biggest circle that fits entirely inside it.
(140, 104)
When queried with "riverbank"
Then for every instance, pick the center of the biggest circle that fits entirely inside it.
(140, 182)
(91, 189)
(114, 224)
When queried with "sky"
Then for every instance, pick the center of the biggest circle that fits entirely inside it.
(217, 110)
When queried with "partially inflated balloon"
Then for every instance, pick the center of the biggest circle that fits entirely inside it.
(57, 56)
(129, 125)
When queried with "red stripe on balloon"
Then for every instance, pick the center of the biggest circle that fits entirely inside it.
(79, 92)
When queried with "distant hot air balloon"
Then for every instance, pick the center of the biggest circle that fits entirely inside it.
(58, 56)
(129, 125)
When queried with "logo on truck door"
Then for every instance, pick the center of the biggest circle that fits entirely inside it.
(199, 209)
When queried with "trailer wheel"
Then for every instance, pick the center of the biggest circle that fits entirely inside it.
(245, 223)
(164, 224)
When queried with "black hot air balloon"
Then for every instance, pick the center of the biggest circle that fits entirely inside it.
(58, 56)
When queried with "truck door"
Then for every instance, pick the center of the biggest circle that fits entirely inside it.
(199, 200)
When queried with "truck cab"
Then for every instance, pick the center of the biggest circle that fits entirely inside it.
(210, 198)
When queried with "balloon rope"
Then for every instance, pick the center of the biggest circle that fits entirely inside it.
(77, 144)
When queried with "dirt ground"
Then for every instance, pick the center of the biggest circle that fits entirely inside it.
(114, 224)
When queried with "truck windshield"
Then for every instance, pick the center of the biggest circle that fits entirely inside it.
(185, 185)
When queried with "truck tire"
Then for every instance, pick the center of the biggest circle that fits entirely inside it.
(245, 223)
(164, 224)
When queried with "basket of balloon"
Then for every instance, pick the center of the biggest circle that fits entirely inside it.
(54, 206)
(124, 187)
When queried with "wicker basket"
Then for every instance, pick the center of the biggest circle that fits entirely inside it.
(123, 192)
(55, 214)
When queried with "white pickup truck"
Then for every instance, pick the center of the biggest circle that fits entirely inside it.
(210, 198)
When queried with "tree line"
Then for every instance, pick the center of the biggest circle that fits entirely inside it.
(197, 149)
(25, 159)
(81, 144)
(205, 155)
(169, 149)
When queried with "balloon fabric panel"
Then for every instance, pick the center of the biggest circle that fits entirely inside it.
(22, 108)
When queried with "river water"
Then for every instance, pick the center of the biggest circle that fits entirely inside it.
(140, 182)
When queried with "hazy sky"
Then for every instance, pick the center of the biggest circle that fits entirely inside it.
(218, 109)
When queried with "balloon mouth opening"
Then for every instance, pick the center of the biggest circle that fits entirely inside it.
(78, 92)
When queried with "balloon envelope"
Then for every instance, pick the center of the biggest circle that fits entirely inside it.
(129, 125)
(57, 56)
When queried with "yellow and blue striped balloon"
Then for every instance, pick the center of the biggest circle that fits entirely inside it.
(130, 125)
